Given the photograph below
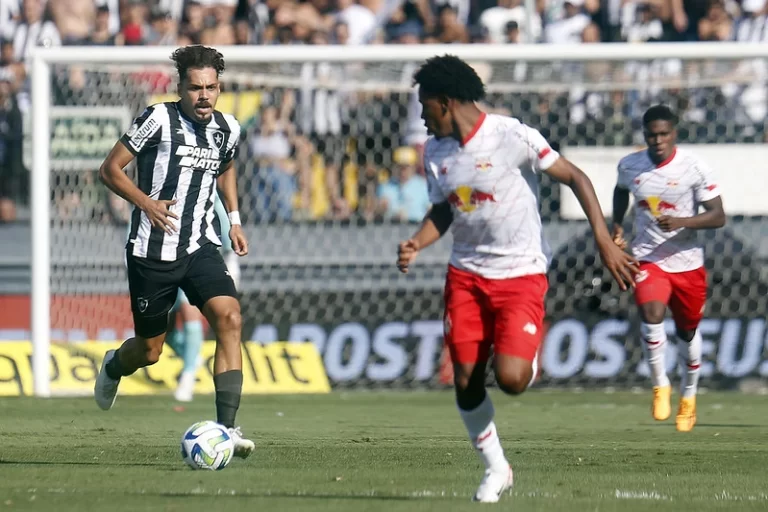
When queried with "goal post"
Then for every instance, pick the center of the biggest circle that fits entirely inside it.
(250, 65)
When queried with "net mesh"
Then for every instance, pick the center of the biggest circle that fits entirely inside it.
(322, 147)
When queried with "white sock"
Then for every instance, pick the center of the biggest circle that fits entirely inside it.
(655, 342)
(482, 434)
(689, 354)
(535, 367)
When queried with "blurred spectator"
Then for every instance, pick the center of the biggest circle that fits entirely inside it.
(404, 196)
(449, 28)
(360, 20)
(113, 7)
(134, 22)
(645, 24)
(13, 177)
(499, 19)
(194, 22)
(753, 26)
(101, 35)
(162, 30)
(321, 117)
(222, 31)
(9, 62)
(275, 179)
(73, 18)
(10, 11)
(570, 27)
(33, 30)
(718, 24)
(686, 15)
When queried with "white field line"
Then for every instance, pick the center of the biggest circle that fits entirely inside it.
(619, 494)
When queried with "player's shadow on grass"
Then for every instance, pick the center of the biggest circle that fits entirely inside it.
(82, 463)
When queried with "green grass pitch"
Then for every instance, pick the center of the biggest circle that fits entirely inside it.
(387, 451)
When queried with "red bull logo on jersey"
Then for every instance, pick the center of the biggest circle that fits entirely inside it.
(467, 199)
(656, 206)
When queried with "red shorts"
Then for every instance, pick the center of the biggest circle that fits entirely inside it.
(508, 313)
(684, 292)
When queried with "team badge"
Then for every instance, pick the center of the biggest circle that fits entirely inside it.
(218, 139)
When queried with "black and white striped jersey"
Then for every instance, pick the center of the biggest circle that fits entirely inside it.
(178, 158)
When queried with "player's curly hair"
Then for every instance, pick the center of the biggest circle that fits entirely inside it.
(451, 77)
(659, 113)
(197, 56)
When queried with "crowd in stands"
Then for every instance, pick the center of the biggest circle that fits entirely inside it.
(298, 142)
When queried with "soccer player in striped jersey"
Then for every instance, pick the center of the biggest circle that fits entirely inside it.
(669, 185)
(185, 151)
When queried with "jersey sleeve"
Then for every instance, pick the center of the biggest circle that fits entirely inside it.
(233, 148)
(706, 186)
(141, 136)
(539, 153)
(622, 179)
(436, 195)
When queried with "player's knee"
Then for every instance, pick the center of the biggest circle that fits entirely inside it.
(469, 381)
(653, 312)
(462, 381)
(230, 320)
(513, 380)
(153, 349)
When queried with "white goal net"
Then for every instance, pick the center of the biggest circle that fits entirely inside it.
(330, 180)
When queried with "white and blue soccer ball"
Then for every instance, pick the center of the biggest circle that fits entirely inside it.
(207, 445)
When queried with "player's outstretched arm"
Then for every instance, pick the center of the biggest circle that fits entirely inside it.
(112, 175)
(712, 218)
(621, 265)
(435, 224)
(620, 206)
(226, 183)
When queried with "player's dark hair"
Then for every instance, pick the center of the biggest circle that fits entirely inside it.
(659, 113)
(197, 56)
(451, 77)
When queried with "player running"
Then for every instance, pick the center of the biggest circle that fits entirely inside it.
(184, 150)
(482, 173)
(668, 184)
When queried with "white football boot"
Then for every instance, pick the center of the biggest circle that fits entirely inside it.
(105, 389)
(493, 485)
(243, 447)
(185, 390)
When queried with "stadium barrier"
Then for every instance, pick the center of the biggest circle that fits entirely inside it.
(267, 369)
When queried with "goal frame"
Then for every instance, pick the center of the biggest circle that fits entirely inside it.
(42, 59)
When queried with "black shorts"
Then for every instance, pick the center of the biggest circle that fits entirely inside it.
(154, 286)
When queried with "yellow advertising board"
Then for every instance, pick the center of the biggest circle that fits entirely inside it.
(279, 367)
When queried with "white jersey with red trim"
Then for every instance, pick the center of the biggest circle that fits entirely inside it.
(675, 187)
(492, 186)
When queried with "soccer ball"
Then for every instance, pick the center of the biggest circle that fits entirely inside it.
(207, 445)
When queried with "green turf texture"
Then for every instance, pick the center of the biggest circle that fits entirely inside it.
(386, 451)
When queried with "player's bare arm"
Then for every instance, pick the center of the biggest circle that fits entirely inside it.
(712, 218)
(114, 178)
(227, 186)
(620, 264)
(620, 206)
(435, 224)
